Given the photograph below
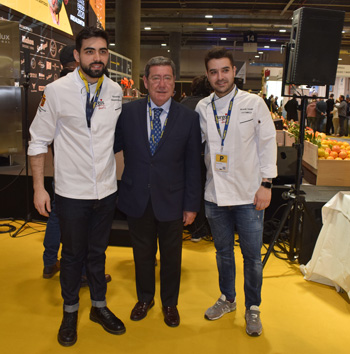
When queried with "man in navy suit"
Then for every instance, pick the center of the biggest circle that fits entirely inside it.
(160, 187)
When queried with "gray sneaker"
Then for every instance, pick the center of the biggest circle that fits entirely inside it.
(221, 307)
(252, 318)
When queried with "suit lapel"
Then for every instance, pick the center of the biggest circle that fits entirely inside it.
(142, 112)
(170, 124)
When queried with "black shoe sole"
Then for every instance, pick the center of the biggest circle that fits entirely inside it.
(121, 331)
(66, 344)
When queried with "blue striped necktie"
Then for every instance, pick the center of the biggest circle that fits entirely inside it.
(157, 129)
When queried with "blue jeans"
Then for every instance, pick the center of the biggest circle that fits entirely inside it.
(85, 228)
(52, 237)
(248, 223)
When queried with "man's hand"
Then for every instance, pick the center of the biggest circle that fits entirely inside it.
(41, 197)
(262, 198)
(188, 217)
(42, 202)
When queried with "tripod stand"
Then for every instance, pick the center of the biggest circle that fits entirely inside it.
(296, 203)
(28, 217)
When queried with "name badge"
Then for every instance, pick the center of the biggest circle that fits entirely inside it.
(221, 162)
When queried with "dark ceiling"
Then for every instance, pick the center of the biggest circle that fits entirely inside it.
(230, 20)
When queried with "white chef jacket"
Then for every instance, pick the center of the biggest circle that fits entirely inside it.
(84, 160)
(250, 145)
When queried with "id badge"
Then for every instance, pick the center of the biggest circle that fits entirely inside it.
(221, 162)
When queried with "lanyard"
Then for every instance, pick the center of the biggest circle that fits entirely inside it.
(223, 136)
(90, 105)
(151, 120)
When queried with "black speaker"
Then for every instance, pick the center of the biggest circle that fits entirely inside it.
(287, 158)
(313, 51)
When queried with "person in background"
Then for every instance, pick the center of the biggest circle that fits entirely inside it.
(79, 113)
(335, 120)
(311, 113)
(321, 108)
(52, 237)
(342, 105)
(330, 105)
(265, 99)
(240, 156)
(200, 88)
(347, 120)
(160, 188)
(291, 108)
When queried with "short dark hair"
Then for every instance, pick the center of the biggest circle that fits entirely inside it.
(90, 32)
(200, 86)
(157, 61)
(218, 53)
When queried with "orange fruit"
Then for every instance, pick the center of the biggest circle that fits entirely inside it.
(330, 158)
(338, 158)
(343, 154)
(334, 154)
(336, 148)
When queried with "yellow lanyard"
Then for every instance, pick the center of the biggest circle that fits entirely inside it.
(90, 106)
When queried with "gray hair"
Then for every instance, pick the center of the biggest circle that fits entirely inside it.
(156, 61)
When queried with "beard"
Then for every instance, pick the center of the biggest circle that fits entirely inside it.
(93, 73)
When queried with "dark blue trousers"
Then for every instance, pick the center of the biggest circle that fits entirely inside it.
(85, 228)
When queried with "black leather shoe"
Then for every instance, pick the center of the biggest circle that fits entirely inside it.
(67, 334)
(140, 310)
(105, 317)
(171, 316)
(50, 271)
(84, 283)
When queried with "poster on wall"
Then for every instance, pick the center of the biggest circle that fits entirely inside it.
(65, 15)
(97, 13)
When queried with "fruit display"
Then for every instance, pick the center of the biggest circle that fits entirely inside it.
(331, 149)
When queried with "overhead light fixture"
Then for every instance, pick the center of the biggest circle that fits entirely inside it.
(283, 30)
(266, 46)
(223, 39)
(147, 28)
(163, 44)
(168, 50)
(210, 29)
(340, 59)
(257, 56)
(273, 40)
(342, 31)
(112, 44)
(208, 16)
(260, 52)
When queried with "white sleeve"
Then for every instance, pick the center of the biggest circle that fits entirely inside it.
(43, 127)
(266, 141)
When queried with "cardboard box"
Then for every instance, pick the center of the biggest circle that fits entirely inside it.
(324, 172)
(289, 139)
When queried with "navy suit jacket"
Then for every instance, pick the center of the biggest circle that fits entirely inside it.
(172, 176)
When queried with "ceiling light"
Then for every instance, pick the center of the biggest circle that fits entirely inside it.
(210, 29)
(257, 56)
(283, 30)
(147, 28)
(260, 52)
(168, 50)
(273, 40)
(163, 44)
(223, 39)
(342, 31)
(112, 44)
(208, 16)
(266, 46)
(340, 59)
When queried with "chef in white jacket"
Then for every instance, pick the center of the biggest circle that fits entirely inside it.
(240, 156)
